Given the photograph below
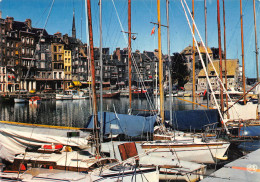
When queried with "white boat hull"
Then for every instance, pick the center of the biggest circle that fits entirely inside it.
(16, 100)
(207, 153)
(64, 97)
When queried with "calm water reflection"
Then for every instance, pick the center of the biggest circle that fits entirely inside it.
(76, 112)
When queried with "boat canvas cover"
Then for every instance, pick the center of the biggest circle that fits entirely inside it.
(192, 119)
(14, 139)
(129, 125)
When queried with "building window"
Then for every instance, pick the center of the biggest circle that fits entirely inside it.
(55, 48)
(27, 51)
(32, 41)
(27, 40)
(59, 48)
(68, 60)
(42, 56)
(7, 44)
(32, 52)
(22, 50)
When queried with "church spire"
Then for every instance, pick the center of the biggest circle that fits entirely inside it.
(73, 26)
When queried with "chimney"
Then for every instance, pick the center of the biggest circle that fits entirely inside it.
(9, 22)
(29, 23)
(118, 53)
(58, 35)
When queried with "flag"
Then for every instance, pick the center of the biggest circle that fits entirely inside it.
(153, 30)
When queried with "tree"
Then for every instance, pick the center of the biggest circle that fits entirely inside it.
(180, 72)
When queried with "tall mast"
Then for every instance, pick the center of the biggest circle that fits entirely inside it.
(242, 47)
(101, 70)
(129, 55)
(220, 59)
(256, 49)
(193, 59)
(225, 54)
(169, 58)
(160, 63)
(93, 84)
(206, 42)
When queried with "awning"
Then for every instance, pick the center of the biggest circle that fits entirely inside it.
(77, 83)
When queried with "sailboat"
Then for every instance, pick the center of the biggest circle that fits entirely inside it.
(245, 122)
(182, 147)
(66, 159)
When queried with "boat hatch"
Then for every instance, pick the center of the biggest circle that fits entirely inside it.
(73, 134)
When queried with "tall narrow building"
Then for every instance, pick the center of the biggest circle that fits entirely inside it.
(73, 26)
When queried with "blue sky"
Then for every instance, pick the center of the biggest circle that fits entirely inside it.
(144, 12)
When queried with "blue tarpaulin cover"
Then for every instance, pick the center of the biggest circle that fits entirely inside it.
(192, 119)
(130, 125)
(250, 131)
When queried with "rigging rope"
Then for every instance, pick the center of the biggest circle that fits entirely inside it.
(207, 54)
(196, 43)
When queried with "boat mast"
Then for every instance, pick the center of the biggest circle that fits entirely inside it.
(242, 47)
(93, 85)
(160, 63)
(101, 70)
(169, 58)
(129, 56)
(225, 54)
(206, 42)
(220, 59)
(256, 49)
(193, 60)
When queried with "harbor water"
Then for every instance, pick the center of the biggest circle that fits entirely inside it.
(75, 113)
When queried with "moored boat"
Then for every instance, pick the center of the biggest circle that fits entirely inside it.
(35, 100)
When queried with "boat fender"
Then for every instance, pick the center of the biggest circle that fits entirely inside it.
(98, 157)
(239, 129)
(67, 149)
(22, 167)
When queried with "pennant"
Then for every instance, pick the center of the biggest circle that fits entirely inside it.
(153, 30)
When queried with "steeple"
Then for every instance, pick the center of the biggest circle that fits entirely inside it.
(73, 26)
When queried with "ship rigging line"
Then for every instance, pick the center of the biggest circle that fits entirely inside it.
(203, 65)
(135, 65)
(207, 54)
